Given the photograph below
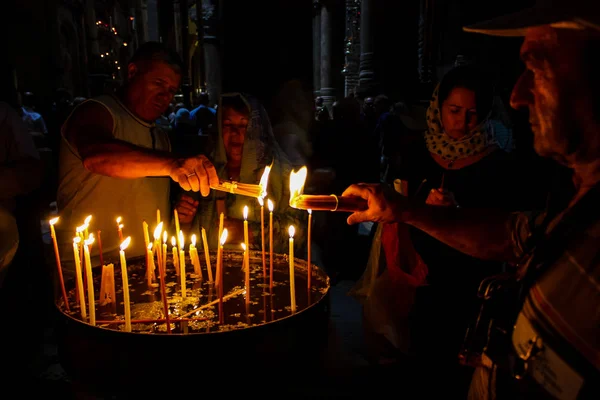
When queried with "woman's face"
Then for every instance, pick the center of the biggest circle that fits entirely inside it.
(459, 112)
(235, 125)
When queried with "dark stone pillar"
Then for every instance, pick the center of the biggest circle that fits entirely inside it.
(326, 91)
(352, 47)
(367, 68)
(316, 47)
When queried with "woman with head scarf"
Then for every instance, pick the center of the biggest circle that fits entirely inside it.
(241, 148)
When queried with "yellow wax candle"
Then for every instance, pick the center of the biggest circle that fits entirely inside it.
(90, 281)
(292, 230)
(309, 268)
(194, 257)
(270, 205)
(207, 255)
(247, 255)
(164, 250)
(219, 283)
(182, 264)
(175, 255)
(221, 221)
(262, 235)
(125, 279)
(150, 268)
(58, 264)
(177, 224)
(157, 232)
(78, 276)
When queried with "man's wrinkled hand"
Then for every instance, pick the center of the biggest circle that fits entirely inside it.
(384, 204)
(186, 209)
(195, 173)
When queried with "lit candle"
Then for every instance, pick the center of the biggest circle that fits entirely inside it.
(120, 229)
(86, 222)
(262, 235)
(78, 276)
(221, 221)
(164, 251)
(292, 280)
(246, 270)
(125, 279)
(207, 255)
(146, 238)
(194, 257)
(90, 280)
(182, 264)
(58, 264)
(175, 255)
(177, 225)
(157, 232)
(309, 268)
(219, 283)
(247, 255)
(150, 267)
(270, 205)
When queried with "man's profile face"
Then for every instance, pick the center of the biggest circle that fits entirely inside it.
(235, 125)
(553, 88)
(152, 88)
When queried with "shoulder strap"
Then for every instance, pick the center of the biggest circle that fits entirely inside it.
(551, 246)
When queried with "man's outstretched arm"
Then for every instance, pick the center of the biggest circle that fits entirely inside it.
(481, 233)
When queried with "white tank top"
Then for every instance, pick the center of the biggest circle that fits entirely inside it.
(82, 193)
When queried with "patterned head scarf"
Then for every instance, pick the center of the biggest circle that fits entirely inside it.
(439, 142)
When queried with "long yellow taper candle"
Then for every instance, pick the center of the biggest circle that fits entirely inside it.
(177, 225)
(207, 255)
(58, 264)
(292, 230)
(125, 279)
(262, 235)
(150, 267)
(182, 264)
(309, 267)
(247, 255)
(175, 254)
(220, 285)
(79, 276)
(90, 281)
(270, 205)
(194, 257)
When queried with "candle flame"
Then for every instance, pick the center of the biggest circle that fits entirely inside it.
(87, 220)
(292, 231)
(297, 180)
(165, 237)
(91, 236)
(261, 201)
(181, 241)
(243, 246)
(118, 220)
(157, 231)
(264, 181)
(89, 241)
(270, 205)
(173, 241)
(53, 221)
(125, 243)
(309, 211)
(245, 212)
(223, 237)
(150, 246)
(121, 226)
(81, 228)
(76, 239)
(194, 240)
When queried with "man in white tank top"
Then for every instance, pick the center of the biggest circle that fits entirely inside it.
(115, 163)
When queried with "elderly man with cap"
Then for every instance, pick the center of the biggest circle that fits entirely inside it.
(545, 343)
(114, 162)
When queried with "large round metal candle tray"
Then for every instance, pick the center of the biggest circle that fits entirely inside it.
(205, 339)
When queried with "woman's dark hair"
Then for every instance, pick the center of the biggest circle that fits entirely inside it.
(155, 51)
(236, 103)
(472, 78)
